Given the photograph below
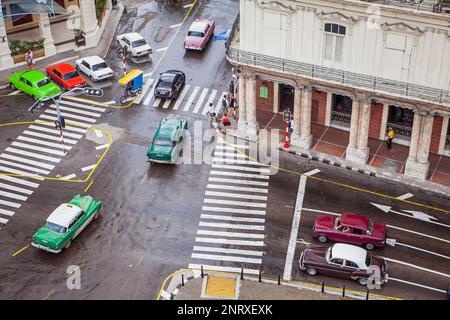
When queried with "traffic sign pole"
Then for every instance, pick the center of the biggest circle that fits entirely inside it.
(286, 137)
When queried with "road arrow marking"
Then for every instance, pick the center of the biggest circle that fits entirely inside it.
(405, 196)
(303, 242)
(312, 172)
(415, 214)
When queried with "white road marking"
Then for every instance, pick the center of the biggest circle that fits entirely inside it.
(236, 203)
(98, 133)
(157, 102)
(312, 172)
(239, 181)
(14, 93)
(110, 102)
(188, 5)
(33, 155)
(45, 143)
(181, 96)
(145, 88)
(417, 285)
(191, 99)
(227, 148)
(388, 225)
(48, 137)
(230, 234)
(70, 176)
(417, 267)
(231, 226)
(71, 116)
(240, 168)
(75, 110)
(19, 181)
(238, 174)
(88, 106)
(13, 196)
(210, 100)
(161, 49)
(225, 258)
(234, 210)
(200, 100)
(166, 103)
(28, 161)
(6, 212)
(226, 250)
(88, 168)
(226, 187)
(20, 172)
(230, 155)
(235, 195)
(56, 132)
(17, 189)
(10, 204)
(3, 220)
(231, 218)
(150, 95)
(68, 122)
(423, 216)
(224, 269)
(238, 161)
(175, 25)
(405, 196)
(420, 249)
(103, 146)
(250, 243)
(36, 148)
(294, 230)
(22, 166)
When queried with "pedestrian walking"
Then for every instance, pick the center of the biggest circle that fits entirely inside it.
(225, 121)
(225, 103)
(232, 107)
(29, 58)
(391, 134)
(232, 87)
(212, 113)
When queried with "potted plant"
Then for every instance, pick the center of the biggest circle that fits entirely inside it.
(80, 40)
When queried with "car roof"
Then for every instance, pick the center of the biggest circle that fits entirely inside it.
(199, 26)
(354, 220)
(167, 127)
(93, 59)
(33, 75)
(64, 214)
(349, 252)
(64, 67)
(132, 36)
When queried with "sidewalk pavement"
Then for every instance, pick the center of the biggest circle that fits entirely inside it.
(100, 50)
(228, 286)
(329, 146)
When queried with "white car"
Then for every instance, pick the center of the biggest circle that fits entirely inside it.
(95, 68)
(134, 44)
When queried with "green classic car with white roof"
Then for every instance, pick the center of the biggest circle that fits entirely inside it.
(65, 223)
(167, 143)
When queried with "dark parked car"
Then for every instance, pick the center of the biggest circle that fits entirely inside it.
(343, 261)
(350, 228)
(170, 84)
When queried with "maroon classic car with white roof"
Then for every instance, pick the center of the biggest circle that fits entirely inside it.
(350, 228)
(199, 34)
(344, 261)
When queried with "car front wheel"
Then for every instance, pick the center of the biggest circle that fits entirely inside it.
(12, 86)
(322, 239)
(93, 79)
(68, 244)
(311, 271)
(369, 246)
(362, 281)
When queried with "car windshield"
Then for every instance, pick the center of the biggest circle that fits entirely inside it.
(43, 82)
(71, 75)
(99, 66)
(370, 227)
(162, 142)
(138, 43)
(166, 81)
(54, 227)
(196, 34)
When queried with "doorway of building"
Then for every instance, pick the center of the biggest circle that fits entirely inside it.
(286, 98)
(341, 111)
(401, 120)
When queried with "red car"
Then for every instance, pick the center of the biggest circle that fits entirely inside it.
(65, 75)
(199, 34)
(350, 228)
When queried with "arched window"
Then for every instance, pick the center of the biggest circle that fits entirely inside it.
(334, 42)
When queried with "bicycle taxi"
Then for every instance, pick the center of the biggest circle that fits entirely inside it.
(132, 83)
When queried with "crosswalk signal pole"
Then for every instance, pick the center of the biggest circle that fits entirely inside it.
(287, 118)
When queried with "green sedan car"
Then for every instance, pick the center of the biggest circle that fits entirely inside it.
(167, 143)
(65, 223)
(35, 84)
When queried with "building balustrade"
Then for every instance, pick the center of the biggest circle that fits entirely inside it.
(401, 132)
(340, 118)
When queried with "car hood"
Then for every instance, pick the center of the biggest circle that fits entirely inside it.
(47, 238)
(193, 41)
(315, 254)
(159, 152)
(324, 222)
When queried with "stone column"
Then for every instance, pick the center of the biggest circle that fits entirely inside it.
(354, 125)
(46, 33)
(242, 122)
(305, 119)
(252, 125)
(89, 23)
(417, 164)
(6, 59)
(276, 100)
(295, 138)
(358, 150)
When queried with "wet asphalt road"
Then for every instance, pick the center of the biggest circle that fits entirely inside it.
(152, 212)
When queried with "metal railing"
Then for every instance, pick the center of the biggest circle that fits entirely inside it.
(233, 31)
(347, 78)
(401, 132)
(422, 5)
(340, 118)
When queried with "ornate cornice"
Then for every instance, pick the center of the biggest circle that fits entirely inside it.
(337, 16)
(282, 6)
(401, 27)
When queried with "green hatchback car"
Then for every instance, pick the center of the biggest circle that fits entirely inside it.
(65, 223)
(35, 84)
(167, 143)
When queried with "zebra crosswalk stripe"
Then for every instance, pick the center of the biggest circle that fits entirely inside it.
(145, 88)
(74, 110)
(181, 97)
(20, 172)
(13, 196)
(45, 143)
(235, 195)
(14, 188)
(36, 148)
(28, 161)
(191, 99)
(56, 132)
(150, 96)
(68, 122)
(48, 137)
(7, 213)
(210, 100)
(71, 116)
(230, 234)
(19, 181)
(10, 204)
(231, 226)
(82, 105)
(21, 166)
(226, 250)
(224, 269)
(225, 258)
(239, 181)
(235, 242)
(200, 100)
(234, 210)
(235, 188)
